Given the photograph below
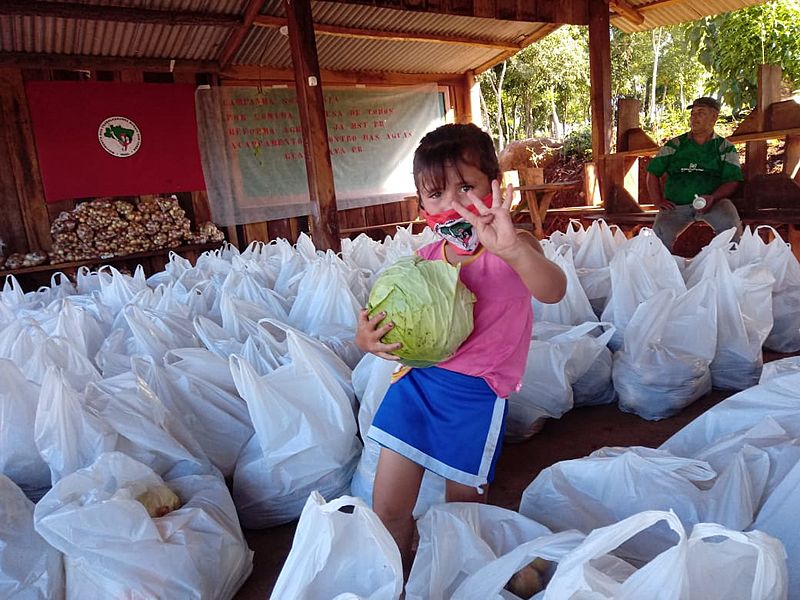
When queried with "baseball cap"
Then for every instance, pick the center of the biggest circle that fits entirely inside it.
(705, 101)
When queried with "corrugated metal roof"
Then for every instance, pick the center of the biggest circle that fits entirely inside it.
(52, 35)
(661, 13)
(21, 34)
(267, 47)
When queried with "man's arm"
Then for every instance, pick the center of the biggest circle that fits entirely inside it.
(723, 191)
(656, 193)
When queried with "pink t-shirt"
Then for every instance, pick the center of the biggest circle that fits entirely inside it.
(497, 349)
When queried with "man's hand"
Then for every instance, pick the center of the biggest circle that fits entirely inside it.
(664, 204)
(369, 333)
(495, 229)
(709, 203)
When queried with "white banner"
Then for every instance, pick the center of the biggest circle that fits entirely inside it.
(252, 148)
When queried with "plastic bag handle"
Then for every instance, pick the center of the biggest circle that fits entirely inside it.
(342, 501)
(771, 228)
(762, 578)
(584, 328)
(57, 275)
(604, 540)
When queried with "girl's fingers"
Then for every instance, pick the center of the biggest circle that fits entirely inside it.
(383, 330)
(470, 217)
(508, 198)
(386, 356)
(377, 318)
(482, 208)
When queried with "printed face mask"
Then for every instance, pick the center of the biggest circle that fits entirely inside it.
(455, 229)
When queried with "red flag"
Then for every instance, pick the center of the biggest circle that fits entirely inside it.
(114, 139)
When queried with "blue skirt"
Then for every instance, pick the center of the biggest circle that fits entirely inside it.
(450, 423)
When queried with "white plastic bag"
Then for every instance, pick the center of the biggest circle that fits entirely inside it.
(488, 582)
(218, 420)
(459, 538)
(744, 319)
(29, 567)
(326, 308)
(545, 391)
(641, 267)
(669, 344)
(305, 437)
(19, 457)
(340, 554)
(776, 256)
(574, 307)
(614, 483)
(591, 571)
(114, 549)
(713, 563)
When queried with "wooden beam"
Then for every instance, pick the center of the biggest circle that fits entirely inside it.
(23, 191)
(791, 158)
(626, 11)
(627, 118)
(308, 86)
(394, 36)
(68, 62)
(658, 4)
(535, 37)
(252, 75)
(574, 12)
(768, 91)
(89, 12)
(238, 36)
(600, 78)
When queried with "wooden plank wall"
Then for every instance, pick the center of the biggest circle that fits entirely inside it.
(25, 225)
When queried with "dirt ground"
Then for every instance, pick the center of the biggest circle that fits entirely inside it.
(576, 434)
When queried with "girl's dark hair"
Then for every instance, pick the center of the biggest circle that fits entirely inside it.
(447, 146)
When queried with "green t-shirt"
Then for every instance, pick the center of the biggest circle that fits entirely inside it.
(695, 169)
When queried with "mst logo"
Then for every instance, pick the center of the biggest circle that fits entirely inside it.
(119, 136)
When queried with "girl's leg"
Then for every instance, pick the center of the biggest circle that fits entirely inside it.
(458, 492)
(397, 482)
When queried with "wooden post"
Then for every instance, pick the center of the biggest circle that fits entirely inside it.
(769, 91)
(474, 91)
(791, 157)
(627, 118)
(531, 175)
(619, 183)
(591, 185)
(25, 223)
(600, 76)
(325, 220)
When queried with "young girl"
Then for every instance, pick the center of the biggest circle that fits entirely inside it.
(450, 418)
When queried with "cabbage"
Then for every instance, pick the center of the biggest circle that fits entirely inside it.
(429, 305)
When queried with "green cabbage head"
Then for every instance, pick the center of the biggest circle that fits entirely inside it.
(429, 305)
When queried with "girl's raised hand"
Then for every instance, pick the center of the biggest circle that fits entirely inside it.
(369, 333)
(494, 226)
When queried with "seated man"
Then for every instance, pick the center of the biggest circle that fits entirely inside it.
(698, 162)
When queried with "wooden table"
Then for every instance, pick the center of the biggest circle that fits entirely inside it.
(538, 197)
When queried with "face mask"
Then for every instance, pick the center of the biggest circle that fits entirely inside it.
(455, 229)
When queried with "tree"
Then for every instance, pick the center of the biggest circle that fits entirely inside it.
(543, 87)
(732, 45)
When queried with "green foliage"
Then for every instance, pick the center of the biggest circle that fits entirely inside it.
(732, 45)
(545, 87)
(549, 76)
(578, 144)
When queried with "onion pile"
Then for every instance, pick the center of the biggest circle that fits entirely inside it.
(18, 260)
(105, 228)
